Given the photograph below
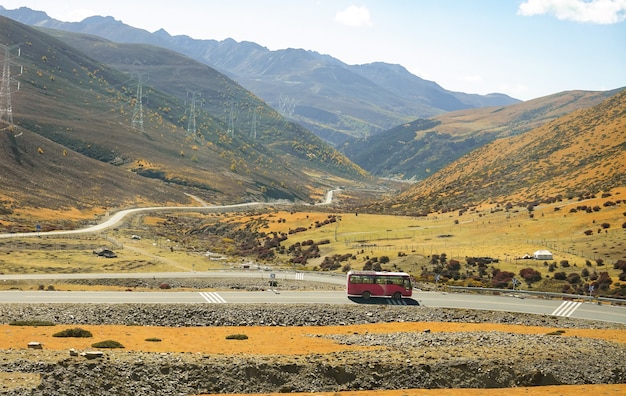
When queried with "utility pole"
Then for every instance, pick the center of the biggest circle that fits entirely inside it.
(138, 110)
(6, 108)
(191, 123)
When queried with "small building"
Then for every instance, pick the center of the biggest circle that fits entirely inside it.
(542, 255)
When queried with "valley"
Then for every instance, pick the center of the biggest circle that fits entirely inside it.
(119, 156)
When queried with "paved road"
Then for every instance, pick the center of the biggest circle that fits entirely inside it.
(571, 309)
(589, 311)
(119, 216)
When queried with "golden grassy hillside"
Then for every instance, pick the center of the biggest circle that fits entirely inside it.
(582, 152)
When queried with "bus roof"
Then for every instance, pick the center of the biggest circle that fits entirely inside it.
(377, 273)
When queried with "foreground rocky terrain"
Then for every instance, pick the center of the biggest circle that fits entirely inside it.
(396, 360)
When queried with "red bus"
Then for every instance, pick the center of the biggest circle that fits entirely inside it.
(368, 284)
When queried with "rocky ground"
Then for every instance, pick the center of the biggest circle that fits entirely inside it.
(403, 360)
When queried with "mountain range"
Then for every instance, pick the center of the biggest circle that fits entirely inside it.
(334, 100)
(87, 135)
(101, 124)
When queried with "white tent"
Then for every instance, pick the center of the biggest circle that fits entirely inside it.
(542, 255)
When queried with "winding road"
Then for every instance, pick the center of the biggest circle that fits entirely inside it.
(119, 216)
(565, 308)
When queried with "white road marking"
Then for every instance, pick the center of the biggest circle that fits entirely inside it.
(213, 298)
(566, 309)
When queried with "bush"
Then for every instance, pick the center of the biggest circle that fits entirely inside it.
(573, 278)
(560, 276)
(564, 263)
(76, 332)
(31, 323)
(530, 275)
(107, 344)
(236, 337)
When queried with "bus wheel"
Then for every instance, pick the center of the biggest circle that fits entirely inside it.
(397, 296)
(366, 295)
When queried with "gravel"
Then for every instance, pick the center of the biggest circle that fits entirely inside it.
(402, 361)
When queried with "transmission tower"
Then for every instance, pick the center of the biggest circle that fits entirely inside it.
(6, 108)
(138, 110)
(191, 122)
(231, 121)
(253, 127)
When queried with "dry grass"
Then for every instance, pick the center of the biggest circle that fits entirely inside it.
(501, 234)
(276, 342)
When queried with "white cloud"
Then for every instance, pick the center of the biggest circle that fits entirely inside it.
(589, 11)
(354, 16)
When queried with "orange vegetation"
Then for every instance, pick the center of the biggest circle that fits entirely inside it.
(283, 341)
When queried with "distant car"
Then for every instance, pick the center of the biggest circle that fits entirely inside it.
(135, 237)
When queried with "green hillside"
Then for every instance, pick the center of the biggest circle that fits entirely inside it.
(83, 130)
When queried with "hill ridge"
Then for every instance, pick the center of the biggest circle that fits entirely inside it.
(577, 154)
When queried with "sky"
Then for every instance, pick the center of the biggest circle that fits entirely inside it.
(523, 48)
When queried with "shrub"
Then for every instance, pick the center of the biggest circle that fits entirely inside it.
(502, 278)
(573, 278)
(530, 275)
(107, 344)
(236, 337)
(560, 275)
(564, 263)
(584, 273)
(31, 323)
(76, 332)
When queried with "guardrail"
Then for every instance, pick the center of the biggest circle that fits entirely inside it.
(563, 296)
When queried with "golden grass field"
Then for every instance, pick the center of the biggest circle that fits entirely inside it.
(485, 231)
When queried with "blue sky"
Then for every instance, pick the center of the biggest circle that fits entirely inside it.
(524, 48)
